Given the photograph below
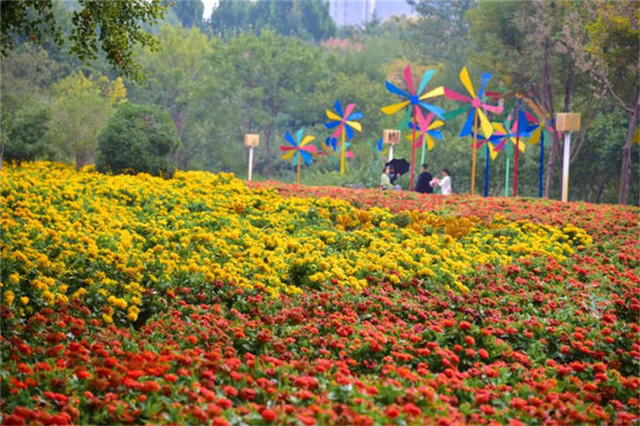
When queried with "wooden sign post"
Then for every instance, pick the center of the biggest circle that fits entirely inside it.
(567, 123)
(391, 137)
(251, 141)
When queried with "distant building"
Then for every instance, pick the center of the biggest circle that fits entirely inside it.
(357, 12)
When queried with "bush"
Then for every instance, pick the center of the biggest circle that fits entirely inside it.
(138, 138)
(25, 138)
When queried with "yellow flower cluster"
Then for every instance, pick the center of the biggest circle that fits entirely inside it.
(111, 241)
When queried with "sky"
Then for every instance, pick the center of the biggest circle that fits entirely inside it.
(208, 7)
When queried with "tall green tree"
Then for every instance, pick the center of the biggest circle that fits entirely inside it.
(265, 80)
(81, 107)
(113, 27)
(178, 72)
(189, 12)
(605, 41)
(521, 42)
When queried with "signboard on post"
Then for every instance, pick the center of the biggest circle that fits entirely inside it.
(391, 137)
(567, 122)
(251, 140)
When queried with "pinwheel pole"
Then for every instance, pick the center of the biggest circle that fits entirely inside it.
(486, 171)
(517, 150)
(251, 141)
(475, 150)
(342, 143)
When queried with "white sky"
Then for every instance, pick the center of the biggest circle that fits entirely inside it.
(208, 7)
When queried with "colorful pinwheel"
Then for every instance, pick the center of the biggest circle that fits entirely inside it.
(331, 147)
(544, 126)
(414, 100)
(427, 131)
(344, 125)
(476, 112)
(299, 150)
(520, 128)
(491, 152)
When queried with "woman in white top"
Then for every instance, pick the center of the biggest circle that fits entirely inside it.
(444, 183)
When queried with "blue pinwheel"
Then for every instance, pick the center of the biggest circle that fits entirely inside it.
(299, 151)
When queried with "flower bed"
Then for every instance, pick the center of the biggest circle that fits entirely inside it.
(132, 299)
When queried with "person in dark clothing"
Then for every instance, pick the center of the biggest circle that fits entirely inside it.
(424, 178)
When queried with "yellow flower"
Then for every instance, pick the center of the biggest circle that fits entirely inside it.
(9, 296)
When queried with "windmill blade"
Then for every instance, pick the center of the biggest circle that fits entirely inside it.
(408, 78)
(426, 77)
(493, 153)
(296, 158)
(500, 146)
(486, 76)
(429, 141)
(310, 148)
(339, 108)
(333, 116)
(435, 134)
(332, 124)
(379, 145)
(355, 116)
(492, 108)
(299, 135)
(306, 157)
(535, 136)
(466, 82)
(453, 114)
(392, 109)
(435, 125)
(285, 148)
(468, 124)
(434, 109)
(396, 90)
(485, 124)
(355, 125)
(288, 155)
(290, 139)
(453, 95)
(499, 128)
(347, 112)
(438, 91)
(349, 132)
(307, 139)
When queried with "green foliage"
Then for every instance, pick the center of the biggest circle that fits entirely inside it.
(114, 26)
(307, 19)
(189, 12)
(138, 138)
(25, 132)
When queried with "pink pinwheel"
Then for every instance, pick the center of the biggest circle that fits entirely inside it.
(475, 110)
(415, 101)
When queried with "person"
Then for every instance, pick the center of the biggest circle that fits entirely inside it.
(385, 181)
(444, 183)
(423, 183)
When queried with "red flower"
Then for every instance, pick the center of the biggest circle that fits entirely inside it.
(268, 415)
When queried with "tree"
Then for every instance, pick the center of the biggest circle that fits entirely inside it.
(605, 42)
(307, 19)
(80, 109)
(24, 140)
(534, 62)
(116, 26)
(138, 138)
(189, 12)
(264, 79)
(178, 72)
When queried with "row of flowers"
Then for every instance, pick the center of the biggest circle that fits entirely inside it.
(117, 242)
(201, 300)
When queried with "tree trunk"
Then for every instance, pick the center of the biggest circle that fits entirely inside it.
(267, 142)
(547, 95)
(82, 159)
(625, 172)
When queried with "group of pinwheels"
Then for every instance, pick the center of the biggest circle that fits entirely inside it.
(521, 119)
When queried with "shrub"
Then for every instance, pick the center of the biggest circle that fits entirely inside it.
(138, 138)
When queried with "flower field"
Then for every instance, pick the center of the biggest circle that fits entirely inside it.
(203, 300)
